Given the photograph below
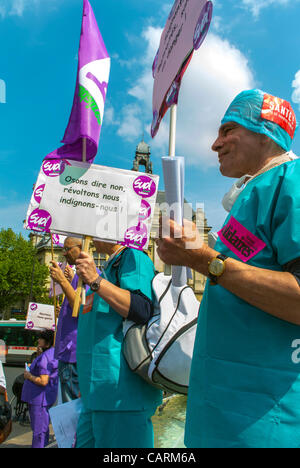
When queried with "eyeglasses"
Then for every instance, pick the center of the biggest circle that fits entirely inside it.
(66, 249)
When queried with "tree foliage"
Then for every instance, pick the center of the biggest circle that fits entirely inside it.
(17, 263)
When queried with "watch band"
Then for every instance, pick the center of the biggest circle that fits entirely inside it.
(214, 278)
(222, 257)
(95, 285)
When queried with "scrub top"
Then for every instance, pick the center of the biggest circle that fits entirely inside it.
(105, 380)
(45, 364)
(244, 384)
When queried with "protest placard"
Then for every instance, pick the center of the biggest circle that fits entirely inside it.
(40, 316)
(184, 32)
(75, 198)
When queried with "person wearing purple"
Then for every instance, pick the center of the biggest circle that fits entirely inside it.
(40, 389)
(66, 335)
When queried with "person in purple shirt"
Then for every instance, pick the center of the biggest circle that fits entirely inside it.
(40, 389)
(66, 335)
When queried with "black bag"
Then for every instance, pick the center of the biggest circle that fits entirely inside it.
(5, 412)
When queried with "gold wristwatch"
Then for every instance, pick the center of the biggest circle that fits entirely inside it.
(216, 268)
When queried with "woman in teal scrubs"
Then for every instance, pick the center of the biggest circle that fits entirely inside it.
(117, 404)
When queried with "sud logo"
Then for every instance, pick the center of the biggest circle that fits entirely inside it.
(144, 186)
(53, 167)
(39, 220)
(38, 193)
(202, 25)
(136, 236)
(145, 210)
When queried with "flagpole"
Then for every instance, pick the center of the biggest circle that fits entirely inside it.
(83, 288)
(80, 289)
(54, 292)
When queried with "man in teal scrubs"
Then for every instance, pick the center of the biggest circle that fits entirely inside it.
(117, 404)
(245, 381)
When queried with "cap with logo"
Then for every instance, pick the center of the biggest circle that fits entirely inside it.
(263, 113)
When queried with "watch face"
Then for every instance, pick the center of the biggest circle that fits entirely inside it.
(95, 286)
(216, 267)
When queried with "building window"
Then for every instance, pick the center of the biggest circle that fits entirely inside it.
(99, 260)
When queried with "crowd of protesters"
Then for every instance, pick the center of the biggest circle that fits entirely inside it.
(244, 387)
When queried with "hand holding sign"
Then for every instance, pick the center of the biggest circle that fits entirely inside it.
(86, 268)
(69, 273)
(56, 273)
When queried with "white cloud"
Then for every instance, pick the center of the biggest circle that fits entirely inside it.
(131, 125)
(218, 71)
(17, 7)
(296, 85)
(256, 6)
(110, 118)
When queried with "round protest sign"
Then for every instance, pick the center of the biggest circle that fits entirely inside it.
(185, 31)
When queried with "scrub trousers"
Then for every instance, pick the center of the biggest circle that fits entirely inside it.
(115, 429)
(68, 377)
(39, 420)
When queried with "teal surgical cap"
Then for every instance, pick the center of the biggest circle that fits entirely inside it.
(263, 113)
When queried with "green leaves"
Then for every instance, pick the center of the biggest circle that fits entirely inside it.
(17, 257)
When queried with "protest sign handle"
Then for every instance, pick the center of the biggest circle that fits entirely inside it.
(80, 291)
(172, 131)
(54, 292)
(52, 258)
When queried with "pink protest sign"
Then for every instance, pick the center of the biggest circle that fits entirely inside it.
(240, 241)
(185, 30)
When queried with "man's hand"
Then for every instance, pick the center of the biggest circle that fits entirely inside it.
(69, 273)
(57, 310)
(56, 273)
(86, 268)
(177, 244)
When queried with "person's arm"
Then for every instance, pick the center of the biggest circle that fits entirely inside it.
(42, 380)
(58, 276)
(276, 293)
(117, 298)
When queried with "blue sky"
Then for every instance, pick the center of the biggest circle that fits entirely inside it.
(250, 44)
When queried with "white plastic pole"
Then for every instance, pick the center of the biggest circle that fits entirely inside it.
(174, 174)
(172, 131)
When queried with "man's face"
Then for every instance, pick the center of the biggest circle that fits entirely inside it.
(71, 251)
(239, 150)
(103, 247)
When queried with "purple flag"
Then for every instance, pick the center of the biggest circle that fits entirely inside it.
(91, 87)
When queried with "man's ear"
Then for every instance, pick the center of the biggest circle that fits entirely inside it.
(270, 147)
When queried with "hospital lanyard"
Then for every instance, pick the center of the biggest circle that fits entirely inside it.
(105, 265)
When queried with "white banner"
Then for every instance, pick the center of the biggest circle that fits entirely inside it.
(40, 316)
(74, 198)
